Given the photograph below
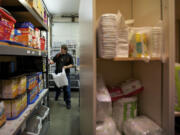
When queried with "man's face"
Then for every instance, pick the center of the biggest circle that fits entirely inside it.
(63, 51)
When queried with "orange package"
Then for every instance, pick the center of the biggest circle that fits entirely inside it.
(26, 36)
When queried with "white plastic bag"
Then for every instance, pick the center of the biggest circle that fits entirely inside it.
(104, 103)
(60, 79)
(141, 126)
(108, 127)
(123, 110)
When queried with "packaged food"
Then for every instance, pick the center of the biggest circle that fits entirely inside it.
(22, 84)
(141, 126)
(123, 110)
(16, 107)
(9, 88)
(8, 109)
(32, 95)
(6, 24)
(2, 114)
(25, 37)
(24, 101)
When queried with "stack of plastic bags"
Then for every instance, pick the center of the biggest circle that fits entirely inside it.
(108, 35)
(113, 36)
(122, 47)
(141, 126)
(123, 110)
(105, 124)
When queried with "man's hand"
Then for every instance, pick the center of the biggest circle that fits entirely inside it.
(50, 61)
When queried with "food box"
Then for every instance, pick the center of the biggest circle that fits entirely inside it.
(22, 85)
(26, 36)
(16, 107)
(7, 104)
(8, 88)
(6, 25)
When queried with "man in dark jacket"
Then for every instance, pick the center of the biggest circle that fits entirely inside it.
(63, 60)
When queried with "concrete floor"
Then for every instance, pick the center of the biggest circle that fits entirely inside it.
(63, 121)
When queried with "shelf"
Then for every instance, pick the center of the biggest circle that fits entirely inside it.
(12, 127)
(6, 49)
(132, 59)
(20, 8)
(177, 114)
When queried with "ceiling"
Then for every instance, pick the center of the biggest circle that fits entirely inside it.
(62, 7)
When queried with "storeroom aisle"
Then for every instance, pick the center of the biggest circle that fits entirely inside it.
(63, 121)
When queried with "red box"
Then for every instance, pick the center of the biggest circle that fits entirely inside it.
(42, 43)
(6, 25)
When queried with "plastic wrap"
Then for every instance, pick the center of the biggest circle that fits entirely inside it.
(108, 127)
(122, 47)
(104, 104)
(140, 42)
(123, 110)
(177, 91)
(126, 89)
(141, 126)
(107, 36)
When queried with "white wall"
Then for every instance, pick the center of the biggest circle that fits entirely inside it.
(65, 31)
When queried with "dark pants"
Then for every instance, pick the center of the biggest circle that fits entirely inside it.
(66, 91)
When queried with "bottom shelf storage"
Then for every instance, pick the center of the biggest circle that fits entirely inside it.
(13, 126)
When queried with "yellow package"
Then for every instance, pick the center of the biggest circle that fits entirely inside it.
(2, 120)
(22, 85)
(8, 109)
(9, 88)
(24, 101)
(16, 107)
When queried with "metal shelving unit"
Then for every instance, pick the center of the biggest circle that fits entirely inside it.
(6, 49)
(23, 12)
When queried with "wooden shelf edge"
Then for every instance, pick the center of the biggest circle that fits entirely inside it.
(132, 59)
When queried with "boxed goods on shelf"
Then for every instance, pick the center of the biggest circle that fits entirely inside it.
(2, 114)
(141, 126)
(42, 40)
(22, 84)
(37, 38)
(14, 107)
(123, 110)
(9, 88)
(34, 126)
(24, 101)
(6, 25)
(33, 95)
(27, 31)
(31, 81)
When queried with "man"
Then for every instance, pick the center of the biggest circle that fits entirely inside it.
(63, 60)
